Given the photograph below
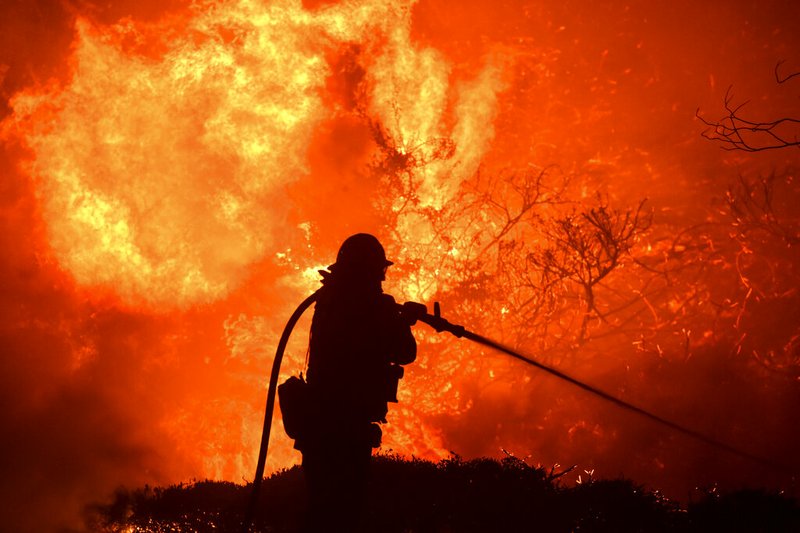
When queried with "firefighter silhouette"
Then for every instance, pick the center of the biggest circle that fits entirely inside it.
(359, 339)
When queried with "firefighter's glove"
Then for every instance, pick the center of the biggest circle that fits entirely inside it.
(413, 311)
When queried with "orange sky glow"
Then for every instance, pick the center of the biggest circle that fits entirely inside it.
(175, 173)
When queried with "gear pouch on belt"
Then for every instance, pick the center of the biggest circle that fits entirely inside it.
(293, 398)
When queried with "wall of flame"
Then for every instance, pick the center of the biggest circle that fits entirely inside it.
(175, 173)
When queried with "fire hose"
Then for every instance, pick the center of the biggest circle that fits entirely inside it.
(271, 390)
(419, 312)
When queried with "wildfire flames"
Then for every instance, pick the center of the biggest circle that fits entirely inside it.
(175, 174)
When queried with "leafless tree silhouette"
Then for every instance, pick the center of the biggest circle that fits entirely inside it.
(585, 248)
(752, 204)
(734, 131)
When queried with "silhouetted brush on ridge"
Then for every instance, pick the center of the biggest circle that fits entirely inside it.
(453, 495)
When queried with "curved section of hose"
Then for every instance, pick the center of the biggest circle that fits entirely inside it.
(271, 390)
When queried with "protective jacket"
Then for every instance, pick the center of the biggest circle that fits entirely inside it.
(358, 339)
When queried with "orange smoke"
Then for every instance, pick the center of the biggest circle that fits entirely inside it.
(178, 173)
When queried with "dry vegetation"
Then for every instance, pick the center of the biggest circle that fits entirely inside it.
(456, 496)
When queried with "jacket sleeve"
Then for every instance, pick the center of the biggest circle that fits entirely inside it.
(403, 345)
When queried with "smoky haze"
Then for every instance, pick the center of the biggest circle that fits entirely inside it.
(169, 192)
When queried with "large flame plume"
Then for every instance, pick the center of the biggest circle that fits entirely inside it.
(175, 173)
(162, 176)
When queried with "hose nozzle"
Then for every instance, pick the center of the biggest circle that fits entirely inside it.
(414, 312)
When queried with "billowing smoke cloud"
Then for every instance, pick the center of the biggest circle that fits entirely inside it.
(173, 176)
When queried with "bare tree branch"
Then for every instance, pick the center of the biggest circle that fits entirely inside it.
(751, 203)
(787, 78)
(735, 132)
(584, 248)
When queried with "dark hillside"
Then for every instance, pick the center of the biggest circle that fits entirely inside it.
(481, 495)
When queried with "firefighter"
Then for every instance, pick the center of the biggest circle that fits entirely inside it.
(359, 339)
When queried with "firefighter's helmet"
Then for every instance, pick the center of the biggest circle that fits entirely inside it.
(361, 252)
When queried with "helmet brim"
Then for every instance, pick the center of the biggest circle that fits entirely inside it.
(386, 263)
